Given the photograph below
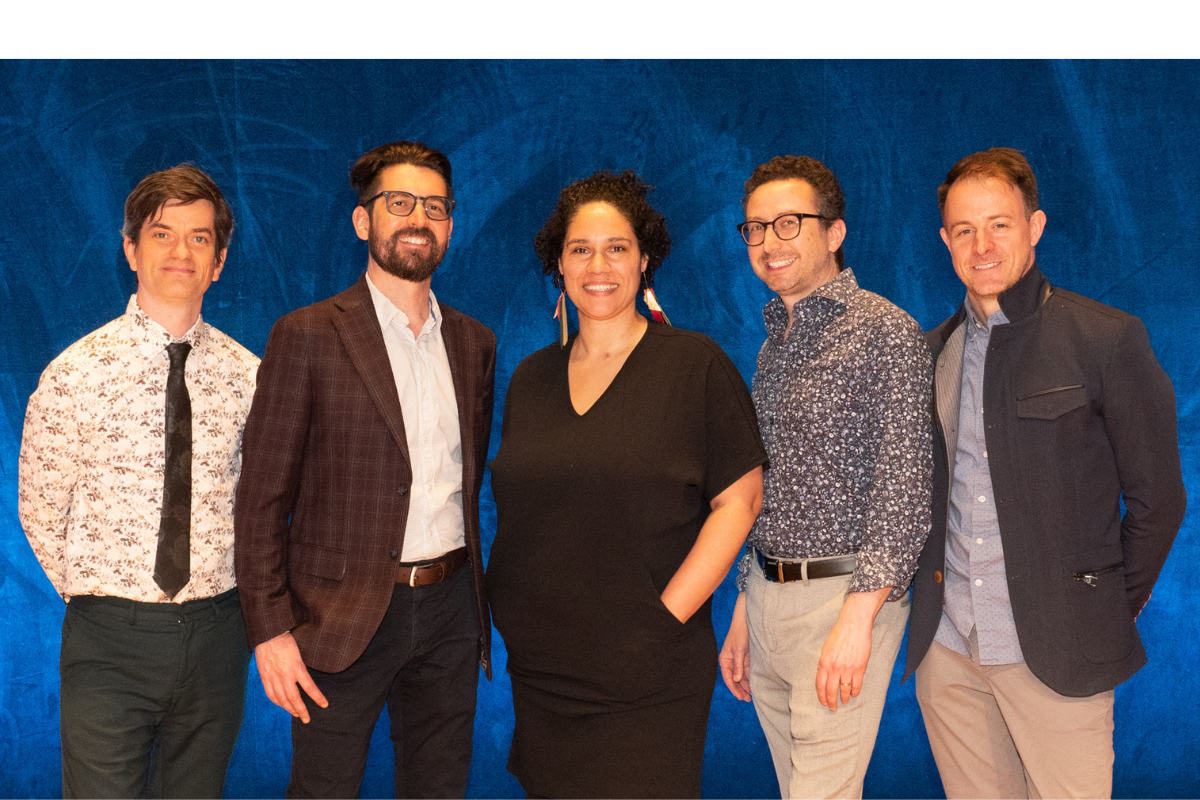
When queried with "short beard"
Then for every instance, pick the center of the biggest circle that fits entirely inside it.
(415, 268)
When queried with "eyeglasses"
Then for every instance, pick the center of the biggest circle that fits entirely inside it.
(785, 227)
(401, 204)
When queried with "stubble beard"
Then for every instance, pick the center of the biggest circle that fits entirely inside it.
(410, 267)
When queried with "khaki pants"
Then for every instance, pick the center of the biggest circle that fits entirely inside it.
(817, 752)
(997, 731)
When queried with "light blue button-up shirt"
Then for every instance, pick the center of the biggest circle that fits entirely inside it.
(976, 586)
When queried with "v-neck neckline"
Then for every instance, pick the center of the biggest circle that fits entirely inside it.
(607, 389)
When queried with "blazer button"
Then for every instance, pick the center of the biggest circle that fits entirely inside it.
(403, 490)
(937, 576)
(392, 553)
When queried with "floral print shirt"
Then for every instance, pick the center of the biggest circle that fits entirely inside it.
(843, 401)
(90, 475)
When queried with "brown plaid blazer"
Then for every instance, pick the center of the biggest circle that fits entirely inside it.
(323, 496)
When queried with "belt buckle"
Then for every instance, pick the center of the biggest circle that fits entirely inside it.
(412, 577)
(779, 569)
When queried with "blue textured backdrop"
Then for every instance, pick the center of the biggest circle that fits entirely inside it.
(1114, 145)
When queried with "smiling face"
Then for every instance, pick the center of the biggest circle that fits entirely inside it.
(176, 257)
(408, 247)
(601, 263)
(990, 238)
(795, 267)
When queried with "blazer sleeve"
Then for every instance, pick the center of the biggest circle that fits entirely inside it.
(272, 460)
(1139, 415)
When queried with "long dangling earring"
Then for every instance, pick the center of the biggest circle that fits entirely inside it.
(560, 314)
(656, 310)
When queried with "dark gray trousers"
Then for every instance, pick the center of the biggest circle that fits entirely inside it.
(152, 696)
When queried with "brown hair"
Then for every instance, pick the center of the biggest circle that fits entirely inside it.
(365, 171)
(831, 202)
(183, 183)
(1003, 163)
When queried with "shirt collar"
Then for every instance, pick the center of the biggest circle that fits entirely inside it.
(975, 326)
(151, 338)
(387, 313)
(833, 296)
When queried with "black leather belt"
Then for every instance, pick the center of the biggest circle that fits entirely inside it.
(436, 570)
(813, 569)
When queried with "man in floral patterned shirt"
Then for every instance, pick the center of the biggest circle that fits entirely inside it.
(842, 394)
(129, 461)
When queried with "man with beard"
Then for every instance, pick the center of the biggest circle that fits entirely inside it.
(359, 502)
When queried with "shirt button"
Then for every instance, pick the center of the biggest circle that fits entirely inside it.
(982, 499)
(424, 438)
(979, 541)
(978, 582)
(985, 453)
(429, 487)
(423, 392)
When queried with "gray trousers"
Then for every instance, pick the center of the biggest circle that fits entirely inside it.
(997, 731)
(817, 752)
(152, 696)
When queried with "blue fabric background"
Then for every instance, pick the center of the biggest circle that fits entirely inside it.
(1114, 145)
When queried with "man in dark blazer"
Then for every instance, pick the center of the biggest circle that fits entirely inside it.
(1049, 409)
(357, 515)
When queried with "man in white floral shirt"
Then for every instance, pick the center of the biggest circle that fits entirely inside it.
(129, 461)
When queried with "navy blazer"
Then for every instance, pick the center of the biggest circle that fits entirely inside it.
(1078, 415)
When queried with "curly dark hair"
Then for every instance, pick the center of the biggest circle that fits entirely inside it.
(626, 193)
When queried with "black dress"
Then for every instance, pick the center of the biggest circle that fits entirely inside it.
(595, 513)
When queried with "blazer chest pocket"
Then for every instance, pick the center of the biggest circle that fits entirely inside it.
(1095, 588)
(1051, 403)
(316, 561)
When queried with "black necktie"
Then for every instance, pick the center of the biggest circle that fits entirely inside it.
(173, 562)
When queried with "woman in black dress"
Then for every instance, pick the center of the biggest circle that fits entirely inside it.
(629, 473)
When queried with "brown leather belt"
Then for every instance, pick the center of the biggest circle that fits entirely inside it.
(437, 570)
(813, 569)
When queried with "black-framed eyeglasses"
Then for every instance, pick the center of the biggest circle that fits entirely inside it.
(401, 204)
(786, 226)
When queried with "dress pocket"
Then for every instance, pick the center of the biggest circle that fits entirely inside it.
(1096, 599)
(1051, 403)
(317, 561)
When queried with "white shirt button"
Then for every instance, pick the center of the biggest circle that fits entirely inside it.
(982, 499)
(979, 541)
(985, 453)
(978, 582)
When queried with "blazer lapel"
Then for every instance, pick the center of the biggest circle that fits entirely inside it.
(358, 327)
(947, 390)
(458, 353)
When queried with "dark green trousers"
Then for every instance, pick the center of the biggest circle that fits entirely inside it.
(152, 696)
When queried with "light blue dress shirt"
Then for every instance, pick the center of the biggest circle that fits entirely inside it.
(976, 586)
